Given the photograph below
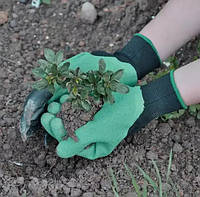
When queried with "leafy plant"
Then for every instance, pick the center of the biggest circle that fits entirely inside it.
(82, 87)
(50, 72)
(46, 1)
(156, 186)
(193, 110)
(173, 115)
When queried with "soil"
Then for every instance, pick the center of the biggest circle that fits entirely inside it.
(29, 169)
(76, 118)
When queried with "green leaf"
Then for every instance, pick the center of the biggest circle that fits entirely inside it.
(43, 63)
(46, 1)
(113, 85)
(169, 166)
(84, 93)
(49, 55)
(198, 115)
(117, 75)
(159, 178)
(122, 88)
(39, 72)
(85, 105)
(198, 106)
(134, 182)
(91, 77)
(114, 180)
(100, 89)
(102, 66)
(148, 178)
(105, 99)
(192, 110)
(59, 57)
(64, 68)
(144, 193)
(77, 71)
(173, 115)
(106, 76)
(54, 69)
(75, 104)
(111, 98)
(41, 84)
(51, 88)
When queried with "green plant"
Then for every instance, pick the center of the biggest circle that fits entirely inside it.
(82, 87)
(156, 186)
(193, 110)
(173, 115)
(46, 1)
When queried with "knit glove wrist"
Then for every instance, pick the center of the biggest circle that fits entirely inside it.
(141, 54)
(160, 96)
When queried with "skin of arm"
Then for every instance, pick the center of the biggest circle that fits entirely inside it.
(174, 25)
(187, 79)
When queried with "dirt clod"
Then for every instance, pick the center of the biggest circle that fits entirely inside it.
(74, 119)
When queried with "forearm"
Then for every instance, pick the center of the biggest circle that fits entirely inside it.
(187, 79)
(175, 24)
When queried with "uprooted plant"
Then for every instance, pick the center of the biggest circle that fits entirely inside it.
(97, 84)
(86, 89)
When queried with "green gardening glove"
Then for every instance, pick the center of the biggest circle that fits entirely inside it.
(108, 128)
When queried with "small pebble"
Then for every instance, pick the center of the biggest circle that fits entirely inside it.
(20, 180)
(13, 23)
(88, 13)
(177, 148)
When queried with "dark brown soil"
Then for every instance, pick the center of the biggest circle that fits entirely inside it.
(75, 118)
(29, 169)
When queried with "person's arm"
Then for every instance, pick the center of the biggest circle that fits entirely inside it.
(187, 79)
(174, 25)
(176, 90)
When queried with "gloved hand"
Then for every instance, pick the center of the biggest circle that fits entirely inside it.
(114, 122)
(137, 58)
(108, 128)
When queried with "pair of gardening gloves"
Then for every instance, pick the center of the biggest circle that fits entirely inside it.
(129, 113)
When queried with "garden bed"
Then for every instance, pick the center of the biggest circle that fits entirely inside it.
(32, 168)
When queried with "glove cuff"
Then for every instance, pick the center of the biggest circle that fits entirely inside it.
(160, 96)
(141, 54)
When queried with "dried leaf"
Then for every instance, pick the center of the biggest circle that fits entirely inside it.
(3, 17)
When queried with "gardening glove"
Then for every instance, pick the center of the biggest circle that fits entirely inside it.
(161, 97)
(101, 135)
(138, 52)
(137, 58)
(114, 122)
(35, 103)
